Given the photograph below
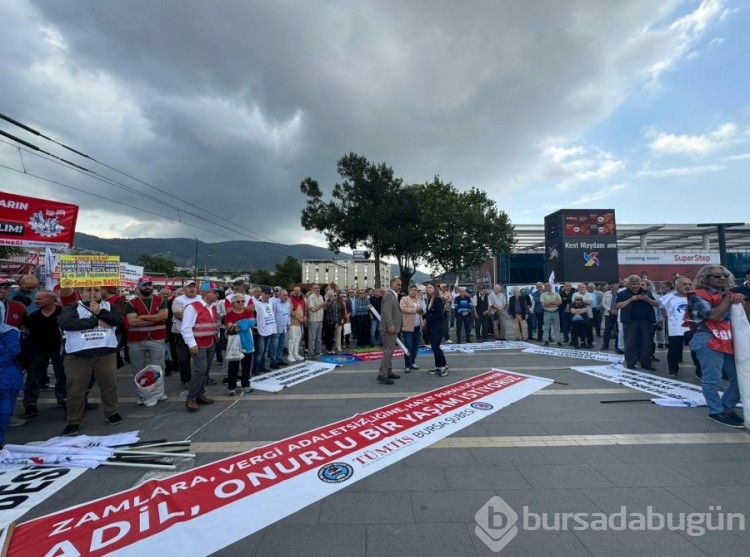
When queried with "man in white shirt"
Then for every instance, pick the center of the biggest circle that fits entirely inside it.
(183, 353)
(498, 303)
(266, 324)
(315, 305)
(282, 309)
(673, 307)
(200, 330)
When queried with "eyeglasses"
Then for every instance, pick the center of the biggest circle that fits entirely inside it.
(720, 275)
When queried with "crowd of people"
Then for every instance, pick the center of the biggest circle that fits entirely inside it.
(87, 334)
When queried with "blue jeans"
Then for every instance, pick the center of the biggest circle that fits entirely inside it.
(712, 364)
(565, 324)
(374, 330)
(411, 341)
(276, 348)
(261, 351)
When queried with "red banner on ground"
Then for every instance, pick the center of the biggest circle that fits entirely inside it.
(239, 495)
(29, 222)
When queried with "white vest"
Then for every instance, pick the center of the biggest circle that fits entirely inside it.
(98, 337)
(266, 322)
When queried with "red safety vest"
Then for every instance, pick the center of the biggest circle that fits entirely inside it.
(722, 330)
(14, 312)
(206, 327)
(154, 331)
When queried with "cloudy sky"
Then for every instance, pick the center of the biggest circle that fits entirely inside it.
(224, 107)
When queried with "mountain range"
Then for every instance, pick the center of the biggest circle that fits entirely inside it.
(238, 255)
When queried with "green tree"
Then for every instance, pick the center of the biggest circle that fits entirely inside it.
(363, 208)
(157, 264)
(7, 251)
(459, 230)
(288, 273)
(261, 276)
(406, 241)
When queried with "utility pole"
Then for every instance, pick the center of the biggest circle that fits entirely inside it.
(195, 266)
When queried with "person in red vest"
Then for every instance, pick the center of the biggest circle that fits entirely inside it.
(712, 341)
(14, 311)
(146, 314)
(200, 330)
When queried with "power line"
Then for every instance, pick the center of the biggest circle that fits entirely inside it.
(250, 231)
(26, 173)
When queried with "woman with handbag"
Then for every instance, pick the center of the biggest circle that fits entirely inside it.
(344, 310)
(412, 310)
(237, 312)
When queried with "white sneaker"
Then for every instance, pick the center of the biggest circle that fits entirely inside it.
(163, 397)
(300, 359)
(291, 359)
(15, 421)
(449, 341)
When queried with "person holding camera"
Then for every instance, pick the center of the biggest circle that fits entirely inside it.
(637, 316)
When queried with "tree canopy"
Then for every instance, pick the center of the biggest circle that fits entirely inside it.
(362, 209)
(157, 264)
(431, 224)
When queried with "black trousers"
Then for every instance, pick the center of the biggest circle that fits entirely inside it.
(597, 320)
(638, 339)
(610, 330)
(361, 324)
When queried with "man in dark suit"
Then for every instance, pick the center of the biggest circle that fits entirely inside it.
(390, 325)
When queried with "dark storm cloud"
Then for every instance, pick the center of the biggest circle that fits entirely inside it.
(229, 105)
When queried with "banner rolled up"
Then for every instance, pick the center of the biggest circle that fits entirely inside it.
(741, 342)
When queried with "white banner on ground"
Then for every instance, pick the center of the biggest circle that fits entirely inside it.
(574, 353)
(22, 490)
(276, 380)
(667, 392)
(201, 511)
(483, 346)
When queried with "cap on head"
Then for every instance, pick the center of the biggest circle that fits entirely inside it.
(145, 280)
(190, 283)
(6, 283)
(239, 282)
(266, 289)
(206, 286)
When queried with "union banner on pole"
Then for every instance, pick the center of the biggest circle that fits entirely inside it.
(201, 511)
(28, 222)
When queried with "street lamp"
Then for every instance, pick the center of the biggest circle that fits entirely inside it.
(205, 265)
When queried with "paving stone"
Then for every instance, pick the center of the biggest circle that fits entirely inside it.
(649, 453)
(635, 474)
(626, 543)
(319, 540)
(716, 452)
(484, 478)
(716, 474)
(577, 455)
(449, 506)
(637, 500)
(435, 539)
(371, 507)
(441, 458)
(501, 456)
(406, 479)
(563, 475)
